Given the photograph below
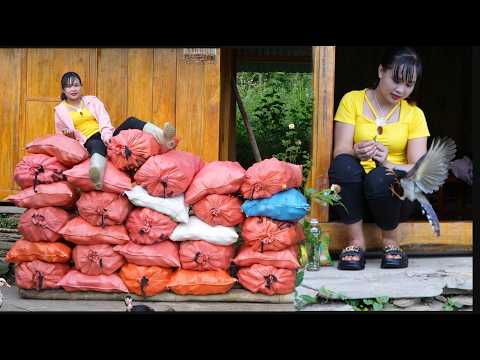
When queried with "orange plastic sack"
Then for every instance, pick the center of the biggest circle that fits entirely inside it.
(168, 174)
(145, 280)
(217, 177)
(146, 226)
(201, 255)
(38, 169)
(74, 280)
(97, 259)
(102, 209)
(164, 254)
(39, 275)
(80, 232)
(283, 259)
(61, 194)
(265, 234)
(114, 181)
(217, 209)
(24, 250)
(67, 150)
(43, 224)
(190, 282)
(270, 176)
(267, 280)
(131, 148)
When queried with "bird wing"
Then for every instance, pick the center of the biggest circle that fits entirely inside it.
(431, 170)
(427, 210)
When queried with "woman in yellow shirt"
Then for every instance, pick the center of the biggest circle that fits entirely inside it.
(377, 129)
(85, 119)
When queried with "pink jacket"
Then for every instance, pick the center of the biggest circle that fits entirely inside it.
(63, 120)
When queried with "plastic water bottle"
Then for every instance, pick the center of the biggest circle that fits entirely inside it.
(313, 244)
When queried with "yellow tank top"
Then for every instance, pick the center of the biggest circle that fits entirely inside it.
(83, 120)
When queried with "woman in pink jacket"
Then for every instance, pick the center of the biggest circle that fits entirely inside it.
(85, 119)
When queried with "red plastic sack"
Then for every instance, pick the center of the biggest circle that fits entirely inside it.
(74, 280)
(283, 259)
(80, 232)
(39, 275)
(201, 255)
(217, 177)
(43, 224)
(146, 226)
(97, 259)
(164, 254)
(38, 169)
(131, 148)
(114, 181)
(145, 280)
(168, 174)
(270, 176)
(267, 280)
(61, 194)
(265, 234)
(67, 150)
(24, 250)
(190, 282)
(102, 209)
(217, 209)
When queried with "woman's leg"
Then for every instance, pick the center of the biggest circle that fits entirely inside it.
(130, 123)
(387, 209)
(98, 159)
(347, 172)
(163, 136)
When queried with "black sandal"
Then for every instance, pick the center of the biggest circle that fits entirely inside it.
(352, 264)
(391, 263)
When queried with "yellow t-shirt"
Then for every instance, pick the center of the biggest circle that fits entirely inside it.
(84, 121)
(410, 125)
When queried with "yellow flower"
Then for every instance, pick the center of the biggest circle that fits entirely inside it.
(291, 126)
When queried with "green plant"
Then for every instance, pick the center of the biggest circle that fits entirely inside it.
(273, 101)
(8, 221)
(293, 152)
(451, 305)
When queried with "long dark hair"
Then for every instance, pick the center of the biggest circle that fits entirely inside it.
(67, 80)
(404, 62)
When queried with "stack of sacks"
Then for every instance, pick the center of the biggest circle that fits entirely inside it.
(101, 229)
(159, 196)
(271, 232)
(206, 248)
(42, 258)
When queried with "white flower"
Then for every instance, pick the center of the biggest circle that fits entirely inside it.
(335, 188)
(298, 142)
(291, 126)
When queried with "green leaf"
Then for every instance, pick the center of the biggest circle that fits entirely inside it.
(299, 277)
(308, 299)
(382, 299)
(377, 306)
(368, 301)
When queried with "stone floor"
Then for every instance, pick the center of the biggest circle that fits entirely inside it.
(426, 285)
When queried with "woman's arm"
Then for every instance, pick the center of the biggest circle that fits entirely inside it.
(343, 143)
(416, 148)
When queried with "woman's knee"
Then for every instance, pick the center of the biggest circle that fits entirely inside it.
(345, 168)
(377, 183)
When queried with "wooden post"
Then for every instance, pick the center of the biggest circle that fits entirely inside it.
(251, 136)
(322, 127)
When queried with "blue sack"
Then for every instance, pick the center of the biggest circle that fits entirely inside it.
(289, 205)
